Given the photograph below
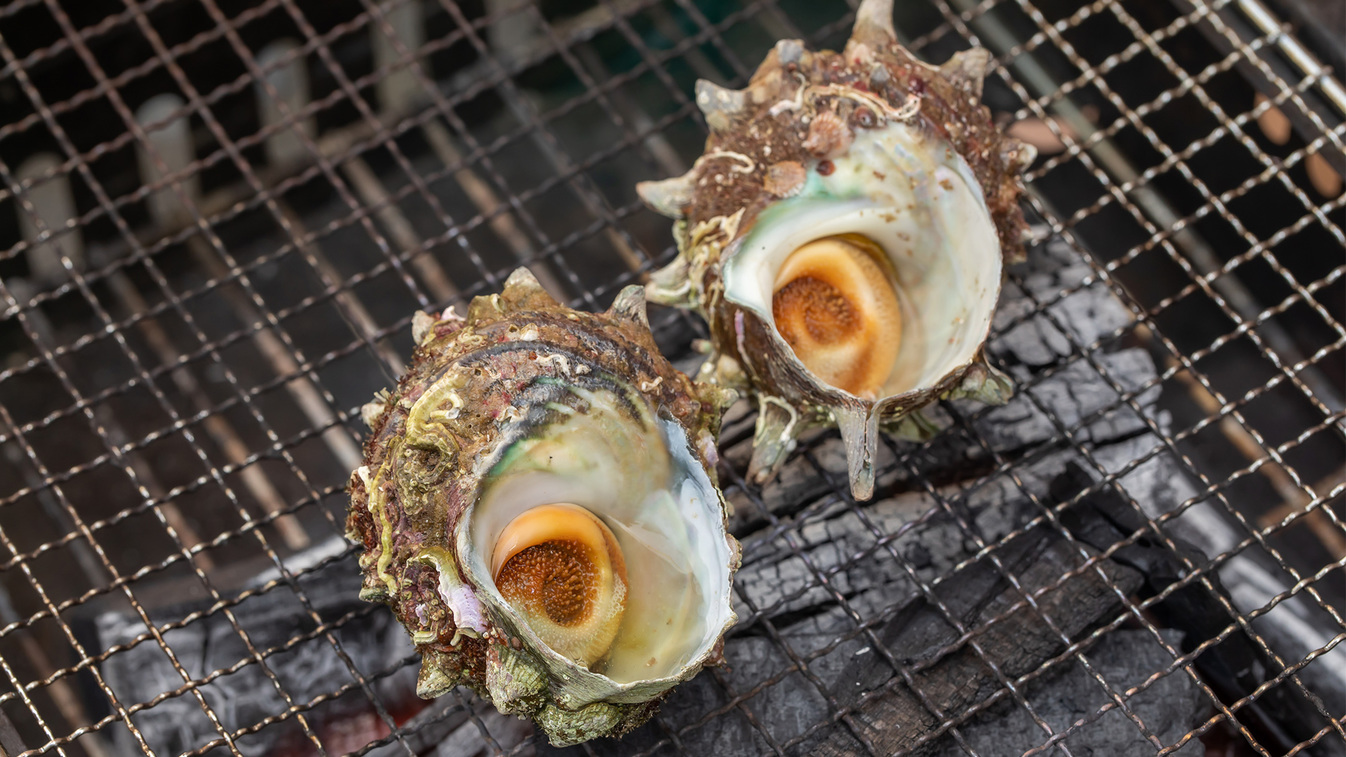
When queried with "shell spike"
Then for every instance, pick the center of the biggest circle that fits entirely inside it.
(1017, 155)
(668, 197)
(874, 23)
(859, 428)
(671, 285)
(720, 104)
(432, 680)
(523, 291)
(969, 68)
(371, 411)
(422, 325)
(630, 306)
(985, 384)
(774, 438)
(789, 51)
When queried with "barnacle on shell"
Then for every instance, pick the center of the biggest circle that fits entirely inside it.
(844, 234)
(538, 506)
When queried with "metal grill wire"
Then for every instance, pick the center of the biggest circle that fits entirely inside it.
(147, 290)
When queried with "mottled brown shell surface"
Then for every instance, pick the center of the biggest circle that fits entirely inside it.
(781, 141)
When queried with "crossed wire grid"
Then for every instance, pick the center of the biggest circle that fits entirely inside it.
(160, 332)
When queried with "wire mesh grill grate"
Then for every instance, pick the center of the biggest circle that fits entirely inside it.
(218, 216)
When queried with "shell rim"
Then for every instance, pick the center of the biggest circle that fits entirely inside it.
(601, 687)
(841, 397)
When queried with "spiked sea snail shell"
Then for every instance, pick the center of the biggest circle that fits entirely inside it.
(538, 506)
(844, 234)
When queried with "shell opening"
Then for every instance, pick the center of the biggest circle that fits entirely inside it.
(900, 217)
(641, 490)
(835, 303)
(562, 571)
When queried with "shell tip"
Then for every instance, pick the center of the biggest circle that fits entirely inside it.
(773, 439)
(432, 681)
(371, 411)
(667, 197)
(1017, 155)
(968, 67)
(522, 278)
(789, 51)
(860, 433)
(523, 291)
(630, 306)
(720, 104)
(984, 383)
(672, 284)
(874, 22)
(422, 323)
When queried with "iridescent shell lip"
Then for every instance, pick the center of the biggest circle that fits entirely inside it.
(801, 116)
(582, 686)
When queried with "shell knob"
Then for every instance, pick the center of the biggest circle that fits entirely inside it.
(835, 304)
(560, 568)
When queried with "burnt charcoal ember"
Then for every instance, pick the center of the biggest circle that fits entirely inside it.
(782, 575)
(1040, 338)
(888, 711)
(307, 669)
(1282, 716)
(1123, 658)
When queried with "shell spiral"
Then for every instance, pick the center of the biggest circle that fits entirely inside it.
(506, 505)
(824, 157)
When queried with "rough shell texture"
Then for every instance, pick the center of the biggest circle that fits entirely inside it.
(799, 114)
(425, 467)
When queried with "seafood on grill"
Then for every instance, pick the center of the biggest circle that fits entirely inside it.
(539, 508)
(844, 234)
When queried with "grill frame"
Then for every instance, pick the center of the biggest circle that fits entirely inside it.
(141, 269)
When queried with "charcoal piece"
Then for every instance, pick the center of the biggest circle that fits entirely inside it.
(1169, 708)
(1080, 398)
(1123, 658)
(468, 739)
(791, 705)
(781, 577)
(1279, 718)
(894, 716)
(375, 644)
(784, 708)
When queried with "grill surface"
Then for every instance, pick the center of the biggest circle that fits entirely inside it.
(218, 217)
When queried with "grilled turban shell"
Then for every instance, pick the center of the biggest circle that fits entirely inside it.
(844, 234)
(538, 506)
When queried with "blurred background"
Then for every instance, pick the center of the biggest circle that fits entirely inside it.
(217, 218)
